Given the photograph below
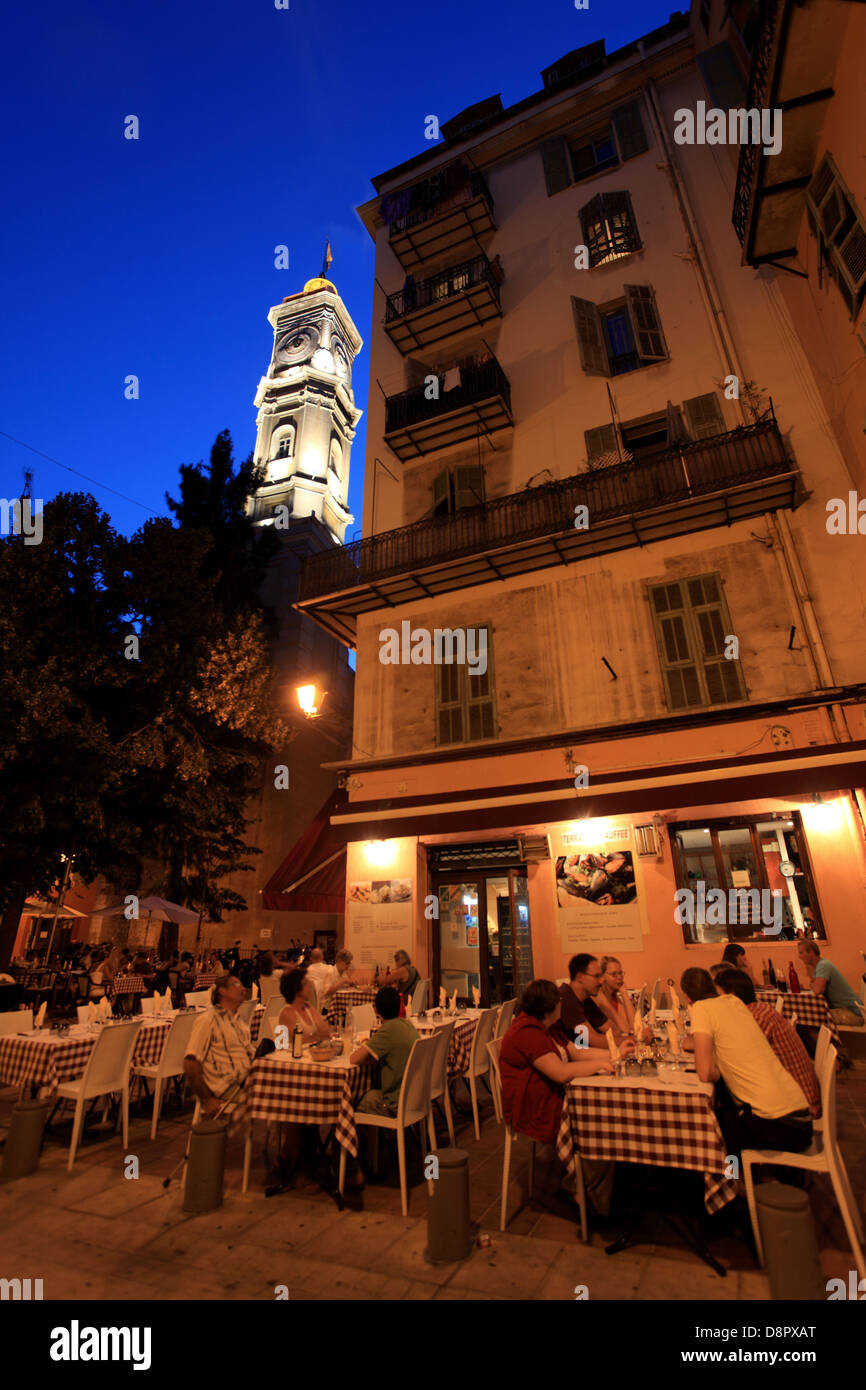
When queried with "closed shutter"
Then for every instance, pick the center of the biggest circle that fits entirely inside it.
(609, 227)
(601, 445)
(442, 493)
(691, 623)
(554, 157)
(836, 221)
(629, 127)
(449, 706)
(468, 485)
(645, 322)
(465, 703)
(704, 416)
(590, 339)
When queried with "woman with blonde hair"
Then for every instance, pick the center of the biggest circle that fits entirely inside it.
(613, 998)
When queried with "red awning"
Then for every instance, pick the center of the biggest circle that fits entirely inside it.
(312, 878)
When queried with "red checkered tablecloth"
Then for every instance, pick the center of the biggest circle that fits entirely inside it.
(256, 1017)
(45, 1059)
(605, 1119)
(206, 979)
(343, 999)
(461, 1042)
(307, 1093)
(129, 984)
(811, 1009)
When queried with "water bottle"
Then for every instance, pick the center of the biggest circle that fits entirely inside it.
(349, 1026)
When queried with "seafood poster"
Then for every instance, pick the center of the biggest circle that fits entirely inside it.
(596, 891)
(379, 920)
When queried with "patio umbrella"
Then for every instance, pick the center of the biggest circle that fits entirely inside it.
(160, 908)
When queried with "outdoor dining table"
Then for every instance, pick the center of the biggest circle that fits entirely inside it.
(461, 1039)
(812, 1011)
(42, 1059)
(281, 1088)
(206, 979)
(129, 984)
(344, 999)
(666, 1121)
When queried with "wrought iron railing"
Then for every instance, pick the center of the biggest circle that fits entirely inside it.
(446, 285)
(477, 383)
(757, 101)
(690, 470)
(428, 207)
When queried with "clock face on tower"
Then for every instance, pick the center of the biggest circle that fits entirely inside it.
(341, 357)
(297, 345)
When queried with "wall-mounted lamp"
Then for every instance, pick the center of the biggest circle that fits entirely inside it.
(310, 699)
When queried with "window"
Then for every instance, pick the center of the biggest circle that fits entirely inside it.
(743, 856)
(704, 416)
(569, 159)
(601, 446)
(691, 623)
(609, 228)
(455, 488)
(621, 337)
(464, 702)
(840, 232)
(282, 451)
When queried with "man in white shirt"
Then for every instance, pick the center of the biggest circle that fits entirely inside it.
(319, 974)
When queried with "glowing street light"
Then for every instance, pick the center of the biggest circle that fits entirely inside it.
(310, 699)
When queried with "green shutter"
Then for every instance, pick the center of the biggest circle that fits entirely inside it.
(645, 323)
(468, 485)
(465, 709)
(629, 127)
(704, 416)
(590, 339)
(601, 444)
(554, 157)
(691, 623)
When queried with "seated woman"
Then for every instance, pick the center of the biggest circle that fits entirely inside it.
(298, 1011)
(735, 958)
(404, 977)
(535, 1064)
(613, 998)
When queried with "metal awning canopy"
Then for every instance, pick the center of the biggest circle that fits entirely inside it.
(445, 316)
(454, 233)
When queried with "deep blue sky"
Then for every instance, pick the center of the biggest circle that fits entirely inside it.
(258, 127)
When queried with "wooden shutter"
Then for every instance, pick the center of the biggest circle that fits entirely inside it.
(449, 705)
(679, 669)
(468, 485)
(691, 623)
(590, 338)
(601, 444)
(711, 624)
(836, 221)
(465, 708)
(704, 416)
(554, 157)
(593, 228)
(629, 127)
(442, 493)
(645, 323)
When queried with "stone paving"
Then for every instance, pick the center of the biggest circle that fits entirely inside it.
(95, 1234)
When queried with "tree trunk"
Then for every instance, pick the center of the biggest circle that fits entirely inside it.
(9, 923)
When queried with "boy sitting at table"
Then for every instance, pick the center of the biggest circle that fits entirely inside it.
(390, 1046)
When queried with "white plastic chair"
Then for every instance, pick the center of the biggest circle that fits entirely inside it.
(363, 1018)
(504, 1018)
(16, 1021)
(170, 1062)
(511, 1135)
(439, 1080)
(822, 1156)
(420, 996)
(147, 1004)
(412, 1108)
(269, 985)
(273, 1009)
(107, 1071)
(198, 999)
(479, 1060)
(245, 1011)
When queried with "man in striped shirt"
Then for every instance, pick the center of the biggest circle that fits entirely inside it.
(782, 1037)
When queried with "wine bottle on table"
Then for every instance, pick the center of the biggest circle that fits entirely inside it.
(772, 975)
(793, 979)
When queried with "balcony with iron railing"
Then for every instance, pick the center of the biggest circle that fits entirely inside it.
(443, 220)
(677, 491)
(471, 399)
(461, 297)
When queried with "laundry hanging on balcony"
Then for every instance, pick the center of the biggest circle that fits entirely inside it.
(453, 379)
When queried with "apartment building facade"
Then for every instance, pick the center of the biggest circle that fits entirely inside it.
(598, 465)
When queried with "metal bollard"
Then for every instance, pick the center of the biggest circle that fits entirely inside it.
(449, 1234)
(24, 1141)
(790, 1247)
(205, 1168)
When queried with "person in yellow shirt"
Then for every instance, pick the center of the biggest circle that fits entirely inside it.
(767, 1108)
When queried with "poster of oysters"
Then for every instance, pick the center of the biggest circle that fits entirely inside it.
(379, 920)
(596, 890)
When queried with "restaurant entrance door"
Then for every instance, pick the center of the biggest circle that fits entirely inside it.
(482, 937)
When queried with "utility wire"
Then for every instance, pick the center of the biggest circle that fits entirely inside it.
(85, 476)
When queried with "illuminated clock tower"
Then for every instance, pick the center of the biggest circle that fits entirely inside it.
(307, 414)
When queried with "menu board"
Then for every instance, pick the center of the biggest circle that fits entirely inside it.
(596, 891)
(379, 920)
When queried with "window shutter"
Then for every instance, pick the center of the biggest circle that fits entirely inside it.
(852, 256)
(609, 226)
(691, 622)
(601, 444)
(592, 225)
(442, 492)
(645, 323)
(468, 485)
(465, 703)
(554, 156)
(630, 133)
(590, 340)
(704, 416)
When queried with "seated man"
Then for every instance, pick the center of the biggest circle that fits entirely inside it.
(768, 1109)
(320, 975)
(780, 1034)
(577, 1001)
(390, 1045)
(827, 980)
(219, 1052)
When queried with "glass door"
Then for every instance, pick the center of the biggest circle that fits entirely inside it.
(484, 937)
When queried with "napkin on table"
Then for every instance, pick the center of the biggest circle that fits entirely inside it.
(408, 1006)
(443, 997)
(40, 1016)
(476, 995)
(673, 1038)
(92, 1011)
(105, 1007)
(453, 1003)
(166, 1002)
(255, 992)
(611, 1045)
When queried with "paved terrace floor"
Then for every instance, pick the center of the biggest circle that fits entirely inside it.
(95, 1234)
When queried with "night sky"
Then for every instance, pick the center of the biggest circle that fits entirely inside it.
(155, 257)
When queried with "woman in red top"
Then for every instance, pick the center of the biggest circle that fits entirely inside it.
(535, 1065)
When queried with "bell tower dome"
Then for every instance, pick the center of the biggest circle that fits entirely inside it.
(307, 415)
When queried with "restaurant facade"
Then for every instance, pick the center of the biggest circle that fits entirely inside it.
(611, 680)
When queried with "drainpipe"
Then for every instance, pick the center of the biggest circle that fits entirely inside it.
(706, 284)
